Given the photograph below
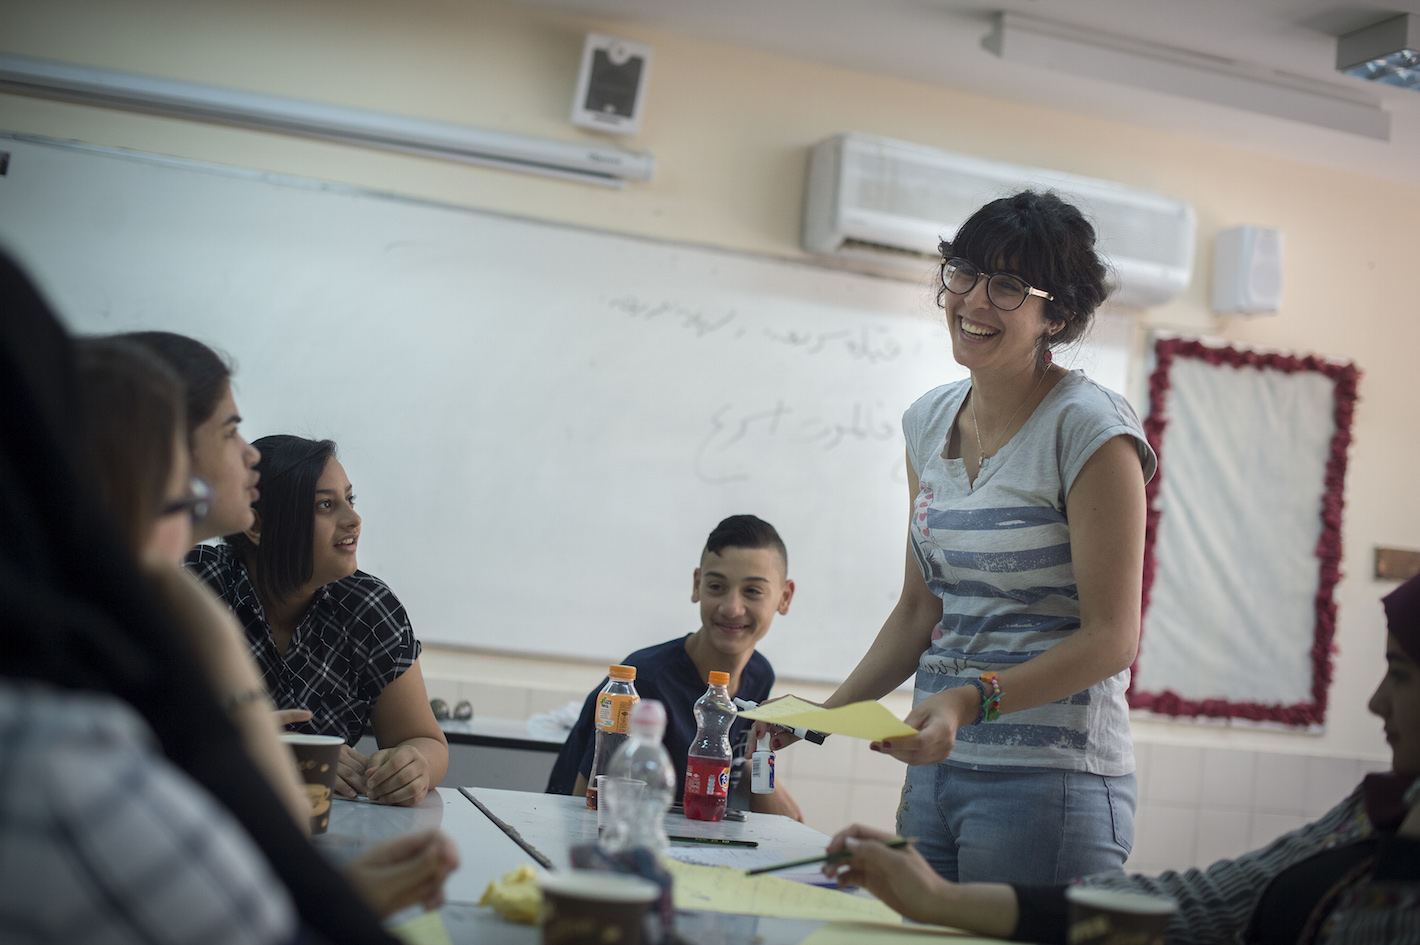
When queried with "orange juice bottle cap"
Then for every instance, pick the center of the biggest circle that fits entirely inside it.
(622, 672)
(719, 679)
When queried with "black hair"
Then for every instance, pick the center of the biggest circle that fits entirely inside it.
(1048, 243)
(130, 410)
(205, 374)
(746, 531)
(284, 560)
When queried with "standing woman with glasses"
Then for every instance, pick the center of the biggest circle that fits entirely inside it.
(328, 637)
(1020, 605)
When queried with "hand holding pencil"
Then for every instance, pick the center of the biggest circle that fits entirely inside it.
(888, 867)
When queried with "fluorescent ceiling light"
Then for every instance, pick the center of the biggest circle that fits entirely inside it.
(1173, 71)
(567, 160)
(1387, 52)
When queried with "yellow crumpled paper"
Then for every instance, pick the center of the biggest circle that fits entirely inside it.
(516, 897)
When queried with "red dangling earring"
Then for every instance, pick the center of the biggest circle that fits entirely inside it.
(1047, 358)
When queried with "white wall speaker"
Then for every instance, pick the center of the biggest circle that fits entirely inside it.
(1247, 271)
(611, 87)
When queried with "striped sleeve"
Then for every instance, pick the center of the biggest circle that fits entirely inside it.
(1216, 904)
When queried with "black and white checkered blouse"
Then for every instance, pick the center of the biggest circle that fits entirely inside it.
(353, 640)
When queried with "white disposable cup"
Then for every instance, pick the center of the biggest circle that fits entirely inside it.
(1116, 917)
(616, 802)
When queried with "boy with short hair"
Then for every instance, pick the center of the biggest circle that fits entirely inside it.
(741, 583)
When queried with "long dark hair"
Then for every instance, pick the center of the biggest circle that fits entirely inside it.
(130, 410)
(1047, 242)
(284, 560)
(204, 373)
(79, 616)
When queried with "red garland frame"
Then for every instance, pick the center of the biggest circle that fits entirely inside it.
(1328, 549)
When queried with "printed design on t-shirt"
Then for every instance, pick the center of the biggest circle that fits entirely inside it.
(919, 512)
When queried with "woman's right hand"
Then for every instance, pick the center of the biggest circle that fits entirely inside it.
(350, 772)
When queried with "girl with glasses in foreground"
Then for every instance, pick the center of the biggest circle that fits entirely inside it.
(1019, 609)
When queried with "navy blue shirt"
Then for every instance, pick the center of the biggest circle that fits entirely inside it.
(666, 673)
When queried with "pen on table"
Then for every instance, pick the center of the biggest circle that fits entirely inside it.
(719, 841)
(894, 843)
(807, 734)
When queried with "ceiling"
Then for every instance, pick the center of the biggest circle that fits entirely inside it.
(939, 42)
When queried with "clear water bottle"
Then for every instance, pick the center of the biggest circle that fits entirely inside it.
(613, 720)
(707, 769)
(643, 758)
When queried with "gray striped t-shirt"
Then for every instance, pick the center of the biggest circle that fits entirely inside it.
(998, 555)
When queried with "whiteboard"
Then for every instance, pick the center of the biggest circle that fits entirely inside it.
(542, 423)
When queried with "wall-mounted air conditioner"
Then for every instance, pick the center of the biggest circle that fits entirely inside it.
(882, 205)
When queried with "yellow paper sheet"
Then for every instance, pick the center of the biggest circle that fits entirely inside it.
(428, 929)
(868, 720)
(722, 889)
(857, 933)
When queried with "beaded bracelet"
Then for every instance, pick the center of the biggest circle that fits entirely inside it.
(990, 701)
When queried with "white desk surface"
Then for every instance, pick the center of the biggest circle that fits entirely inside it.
(552, 824)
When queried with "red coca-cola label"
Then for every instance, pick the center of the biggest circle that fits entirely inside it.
(707, 778)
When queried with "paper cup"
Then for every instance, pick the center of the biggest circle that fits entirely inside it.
(318, 757)
(1110, 917)
(580, 906)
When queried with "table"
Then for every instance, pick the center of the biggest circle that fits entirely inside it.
(551, 824)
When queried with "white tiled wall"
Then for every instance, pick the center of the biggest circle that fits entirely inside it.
(1196, 805)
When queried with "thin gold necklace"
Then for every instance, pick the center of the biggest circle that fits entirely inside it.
(980, 450)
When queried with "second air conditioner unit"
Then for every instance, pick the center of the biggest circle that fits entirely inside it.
(882, 205)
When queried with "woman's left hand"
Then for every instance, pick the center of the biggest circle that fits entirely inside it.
(398, 775)
(936, 719)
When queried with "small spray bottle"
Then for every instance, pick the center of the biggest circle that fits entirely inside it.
(762, 767)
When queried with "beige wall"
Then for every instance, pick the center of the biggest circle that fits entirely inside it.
(729, 129)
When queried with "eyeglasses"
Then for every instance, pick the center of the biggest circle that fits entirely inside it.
(197, 503)
(1005, 291)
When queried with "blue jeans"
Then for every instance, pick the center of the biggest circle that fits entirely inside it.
(1031, 827)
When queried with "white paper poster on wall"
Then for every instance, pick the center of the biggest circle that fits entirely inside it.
(1244, 538)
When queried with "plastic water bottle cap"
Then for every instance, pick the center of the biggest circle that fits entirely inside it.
(648, 715)
(622, 672)
(719, 679)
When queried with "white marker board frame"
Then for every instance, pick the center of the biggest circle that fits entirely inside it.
(542, 422)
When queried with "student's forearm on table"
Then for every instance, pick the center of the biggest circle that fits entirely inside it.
(218, 643)
(985, 908)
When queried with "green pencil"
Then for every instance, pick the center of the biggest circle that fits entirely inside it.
(720, 841)
(895, 842)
